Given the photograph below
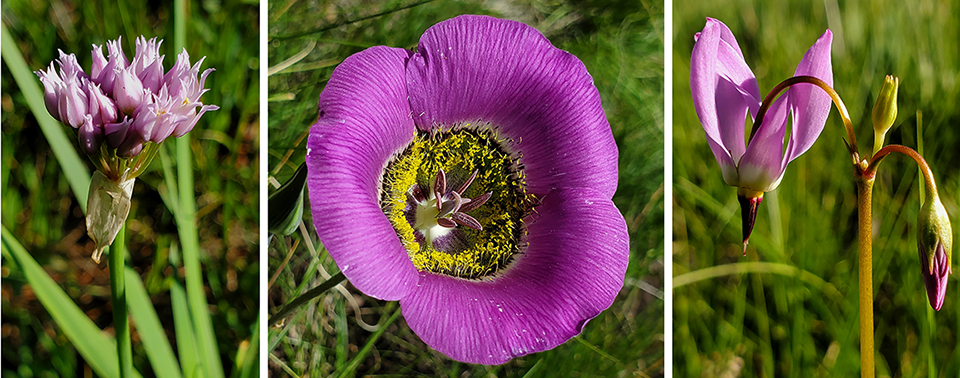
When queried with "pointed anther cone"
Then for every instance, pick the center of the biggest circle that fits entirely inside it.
(749, 202)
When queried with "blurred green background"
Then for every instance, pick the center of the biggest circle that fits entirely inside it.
(621, 44)
(41, 211)
(802, 320)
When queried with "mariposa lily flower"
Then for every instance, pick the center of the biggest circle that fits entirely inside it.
(472, 181)
(725, 90)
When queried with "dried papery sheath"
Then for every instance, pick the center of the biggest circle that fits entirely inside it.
(108, 204)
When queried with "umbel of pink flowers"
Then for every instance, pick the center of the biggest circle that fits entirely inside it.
(122, 110)
(123, 104)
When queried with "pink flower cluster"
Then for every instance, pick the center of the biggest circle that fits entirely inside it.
(126, 103)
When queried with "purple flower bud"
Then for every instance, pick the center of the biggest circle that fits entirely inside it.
(72, 103)
(90, 136)
(51, 87)
(128, 90)
(152, 76)
(116, 133)
(934, 243)
(99, 61)
(100, 107)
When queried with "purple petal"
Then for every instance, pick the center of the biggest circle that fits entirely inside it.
(364, 120)
(810, 104)
(762, 166)
(724, 89)
(935, 280)
(571, 271)
(479, 68)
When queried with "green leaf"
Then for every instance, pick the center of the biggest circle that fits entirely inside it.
(183, 326)
(151, 332)
(285, 207)
(63, 148)
(96, 348)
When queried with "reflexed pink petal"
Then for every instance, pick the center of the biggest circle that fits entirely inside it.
(810, 105)
(724, 89)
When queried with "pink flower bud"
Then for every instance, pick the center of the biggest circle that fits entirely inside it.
(90, 135)
(100, 107)
(128, 90)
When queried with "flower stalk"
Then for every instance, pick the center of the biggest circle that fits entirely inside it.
(118, 299)
(865, 182)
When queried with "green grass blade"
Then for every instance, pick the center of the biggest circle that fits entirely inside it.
(149, 328)
(183, 326)
(248, 355)
(196, 296)
(63, 149)
(96, 348)
(362, 355)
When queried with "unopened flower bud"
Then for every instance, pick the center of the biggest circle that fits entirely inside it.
(128, 90)
(100, 107)
(72, 103)
(108, 205)
(885, 110)
(934, 242)
(90, 136)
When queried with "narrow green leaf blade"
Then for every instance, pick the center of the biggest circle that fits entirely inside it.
(183, 326)
(73, 168)
(149, 328)
(96, 348)
(285, 206)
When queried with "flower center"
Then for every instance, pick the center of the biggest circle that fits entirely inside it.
(456, 199)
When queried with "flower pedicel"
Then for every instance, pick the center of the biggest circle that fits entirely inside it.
(472, 180)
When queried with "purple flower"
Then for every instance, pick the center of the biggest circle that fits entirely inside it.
(128, 103)
(472, 181)
(725, 89)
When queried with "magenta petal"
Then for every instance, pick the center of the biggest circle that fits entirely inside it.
(572, 270)
(810, 105)
(364, 120)
(762, 166)
(479, 68)
(724, 89)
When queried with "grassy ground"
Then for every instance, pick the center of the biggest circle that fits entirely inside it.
(802, 321)
(621, 43)
(41, 211)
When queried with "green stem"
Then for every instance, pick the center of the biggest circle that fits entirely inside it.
(928, 180)
(844, 114)
(865, 256)
(118, 297)
(303, 298)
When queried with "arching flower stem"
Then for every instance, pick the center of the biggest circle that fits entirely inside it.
(865, 174)
(844, 114)
(928, 180)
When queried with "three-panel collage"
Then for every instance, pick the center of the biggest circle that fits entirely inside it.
(489, 188)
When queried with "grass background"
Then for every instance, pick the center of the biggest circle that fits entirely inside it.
(41, 211)
(802, 321)
(621, 44)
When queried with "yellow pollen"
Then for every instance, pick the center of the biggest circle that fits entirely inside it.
(460, 251)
